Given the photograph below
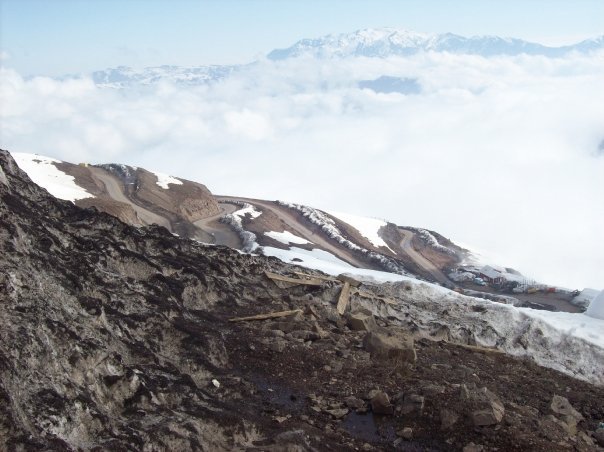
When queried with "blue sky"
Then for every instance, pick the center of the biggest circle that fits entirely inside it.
(52, 37)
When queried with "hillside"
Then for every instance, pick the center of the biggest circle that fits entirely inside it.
(334, 242)
(117, 337)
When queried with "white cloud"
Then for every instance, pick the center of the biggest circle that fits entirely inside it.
(499, 153)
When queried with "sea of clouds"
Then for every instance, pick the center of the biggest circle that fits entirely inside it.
(502, 154)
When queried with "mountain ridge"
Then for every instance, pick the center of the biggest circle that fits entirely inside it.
(332, 242)
(368, 43)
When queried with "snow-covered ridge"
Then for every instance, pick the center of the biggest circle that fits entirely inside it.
(235, 220)
(385, 42)
(431, 241)
(329, 227)
(43, 172)
(163, 180)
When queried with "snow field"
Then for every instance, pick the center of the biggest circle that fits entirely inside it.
(41, 170)
(368, 227)
(163, 180)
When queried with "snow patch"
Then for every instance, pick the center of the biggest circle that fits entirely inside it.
(570, 343)
(368, 227)
(163, 180)
(286, 238)
(329, 227)
(596, 310)
(43, 172)
(235, 220)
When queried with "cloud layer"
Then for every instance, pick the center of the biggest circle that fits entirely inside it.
(500, 154)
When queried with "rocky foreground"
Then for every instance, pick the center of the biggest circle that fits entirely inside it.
(122, 338)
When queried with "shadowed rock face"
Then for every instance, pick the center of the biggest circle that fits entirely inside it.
(114, 337)
(109, 335)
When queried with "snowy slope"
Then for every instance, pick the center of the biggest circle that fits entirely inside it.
(41, 170)
(286, 237)
(163, 180)
(367, 227)
(570, 343)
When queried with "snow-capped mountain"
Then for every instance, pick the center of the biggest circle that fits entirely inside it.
(123, 76)
(370, 43)
(385, 42)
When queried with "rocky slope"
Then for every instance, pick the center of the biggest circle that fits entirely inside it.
(118, 338)
(294, 233)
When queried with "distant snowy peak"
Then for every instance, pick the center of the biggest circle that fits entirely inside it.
(387, 42)
(123, 76)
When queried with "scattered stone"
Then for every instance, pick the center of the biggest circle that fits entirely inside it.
(278, 345)
(489, 416)
(380, 404)
(553, 428)
(338, 413)
(354, 403)
(398, 347)
(412, 403)
(485, 407)
(448, 418)
(361, 321)
(406, 433)
(471, 447)
(561, 405)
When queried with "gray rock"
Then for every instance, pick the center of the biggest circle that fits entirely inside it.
(337, 413)
(361, 321)
(398, 347)
(406, 433)
(561, 405)
(354, 403)
(484, 406)
(471, 447)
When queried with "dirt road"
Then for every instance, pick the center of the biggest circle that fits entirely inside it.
(419, 259)
(220, 234)
(305, 232)
(115, 191)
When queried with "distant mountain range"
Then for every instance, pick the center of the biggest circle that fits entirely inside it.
(386, 42)
(368, 43)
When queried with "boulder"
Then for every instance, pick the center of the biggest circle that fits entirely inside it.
(361, 321)
(398, 347)
(380, 403)
(484, 406)
(488, 416)
(561, 405)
